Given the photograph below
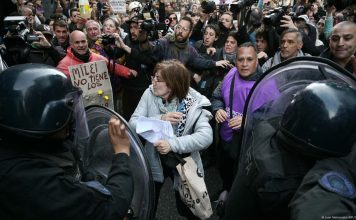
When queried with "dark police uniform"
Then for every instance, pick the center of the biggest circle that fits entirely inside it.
(327, 191)
(34, 185)
(316, 122)
(269, 179)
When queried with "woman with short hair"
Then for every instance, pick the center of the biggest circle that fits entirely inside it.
(170, 98)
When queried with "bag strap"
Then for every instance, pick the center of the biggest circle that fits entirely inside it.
(231, 96)
(181, 161)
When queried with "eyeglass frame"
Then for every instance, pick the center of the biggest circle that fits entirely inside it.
(156, 78)
(179, 27)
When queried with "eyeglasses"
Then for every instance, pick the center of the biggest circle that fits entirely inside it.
(180, 28)
(156, 78)
(172, 18)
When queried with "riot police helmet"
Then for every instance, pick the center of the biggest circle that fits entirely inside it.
(320, 120)
(36, 100)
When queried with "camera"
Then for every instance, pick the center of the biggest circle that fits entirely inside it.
(339, 4)
(208, 6)
(20, 35)
(274, 17)
(152, 28)
(241, 4)
(107, 39)
(148, 23)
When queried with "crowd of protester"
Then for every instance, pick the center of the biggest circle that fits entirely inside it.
(212, 41)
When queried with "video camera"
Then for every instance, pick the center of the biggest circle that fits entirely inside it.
(274, 16)
(20, 33)
(149, 24)
(241, 4)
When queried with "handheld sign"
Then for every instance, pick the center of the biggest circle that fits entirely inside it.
(93, 78)
(118, 6)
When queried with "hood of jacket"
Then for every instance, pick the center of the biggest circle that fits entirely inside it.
(312, 32)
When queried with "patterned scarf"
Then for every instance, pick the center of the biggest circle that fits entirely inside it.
(184, 107)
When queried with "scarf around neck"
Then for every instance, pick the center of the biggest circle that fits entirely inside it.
(85, 57)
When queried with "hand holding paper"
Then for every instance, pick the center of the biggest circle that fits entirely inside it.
(153, 130)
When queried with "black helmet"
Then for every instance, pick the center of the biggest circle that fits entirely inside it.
(36, 100)
(320, 120)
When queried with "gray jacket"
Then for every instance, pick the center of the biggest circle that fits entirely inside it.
(190, 142)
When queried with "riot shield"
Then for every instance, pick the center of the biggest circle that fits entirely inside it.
(97, 160)
(272, 93)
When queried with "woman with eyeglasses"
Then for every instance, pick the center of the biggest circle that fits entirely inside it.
(172, 21)
(170, 98)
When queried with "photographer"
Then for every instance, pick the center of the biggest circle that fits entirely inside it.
(137, 51)
(108, 45)
(177, 47)
(24, 45)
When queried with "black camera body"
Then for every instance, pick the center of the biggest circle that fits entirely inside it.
(208, 6)
(274, 17)
(152, 28)
(146, 16)
(241, 4)
(20, 34)
(107, 39)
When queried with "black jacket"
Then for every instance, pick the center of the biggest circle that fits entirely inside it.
(140, 60)
(267, 178)
(36, 186)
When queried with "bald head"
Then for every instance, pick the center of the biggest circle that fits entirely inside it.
(343, 42)
(78, 41)
(345, 24)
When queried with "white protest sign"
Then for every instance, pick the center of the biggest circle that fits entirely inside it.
(119, 6)
(223, 2)
(93, 78)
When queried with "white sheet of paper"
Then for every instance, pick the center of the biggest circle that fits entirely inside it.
(153, 129)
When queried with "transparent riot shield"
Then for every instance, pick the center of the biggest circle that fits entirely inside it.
(97, 159)
(272, 93)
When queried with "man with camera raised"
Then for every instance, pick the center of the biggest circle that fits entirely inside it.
(177, 47)
(137, 51)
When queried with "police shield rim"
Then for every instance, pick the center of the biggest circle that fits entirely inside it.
(97, 159)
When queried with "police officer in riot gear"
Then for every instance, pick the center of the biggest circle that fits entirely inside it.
(331, 182)
(40, 112)
(309, 119)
